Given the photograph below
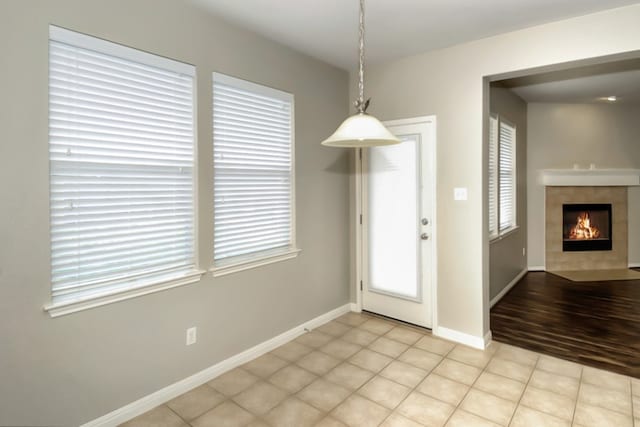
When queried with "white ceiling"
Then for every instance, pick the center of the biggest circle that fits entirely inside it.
(591, 84)
(327, 29)
(625, 86)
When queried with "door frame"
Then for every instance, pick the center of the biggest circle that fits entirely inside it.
(359, 222)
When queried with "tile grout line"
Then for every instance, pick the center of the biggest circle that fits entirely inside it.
(575, 408)
(420, 382)
(288, 363)
(609, 389)
(424, 333)
(633, 418)
(266, 380)
(443, 356)
(524, 390)
(260, 379)
(328, 413)
(179, 416)
(421, 332)
(484, 369)
(470, 386)
(504, 324)
(187, 422)
(534, 367)
(409, 346)
(356, 390)
(322, 377)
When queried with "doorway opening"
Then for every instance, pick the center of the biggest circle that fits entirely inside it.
(575, 211)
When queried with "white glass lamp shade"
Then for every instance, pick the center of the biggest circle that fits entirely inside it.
(361, 130)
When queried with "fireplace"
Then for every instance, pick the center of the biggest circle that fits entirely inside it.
(586, 227)
(580, 199)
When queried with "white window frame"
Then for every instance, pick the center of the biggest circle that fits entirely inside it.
(169, 280)
(497, 233)
(261, 258)
(494, 178)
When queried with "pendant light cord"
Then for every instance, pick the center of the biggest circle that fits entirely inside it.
(360, 104)
(361, 129)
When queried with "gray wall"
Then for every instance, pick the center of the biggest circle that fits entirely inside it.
(506, 259)
(71, 369)
(561, 135)
(452, 84)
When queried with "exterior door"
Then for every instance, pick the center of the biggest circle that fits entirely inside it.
(398, 241)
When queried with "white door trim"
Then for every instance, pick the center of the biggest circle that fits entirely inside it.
(358, 228)
(434, 232)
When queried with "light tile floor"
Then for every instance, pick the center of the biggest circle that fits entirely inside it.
(361, 370)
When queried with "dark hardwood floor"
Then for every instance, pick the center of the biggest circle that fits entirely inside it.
(594, 323)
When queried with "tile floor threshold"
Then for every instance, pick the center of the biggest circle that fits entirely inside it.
(593, 323)
(362, 370)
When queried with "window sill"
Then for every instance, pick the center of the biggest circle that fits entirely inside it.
(68, 307)
(234, 267)
(506, 233)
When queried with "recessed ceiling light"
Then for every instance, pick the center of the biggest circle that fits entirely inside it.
(612, 98)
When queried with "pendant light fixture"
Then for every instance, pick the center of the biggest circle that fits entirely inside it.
(361, 129)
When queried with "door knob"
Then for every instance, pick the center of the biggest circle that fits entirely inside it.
(424, 221)
(424, 236)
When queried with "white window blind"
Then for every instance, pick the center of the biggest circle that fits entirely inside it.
(121, 143)
(493, 176)
(507, 173)
(253, 170)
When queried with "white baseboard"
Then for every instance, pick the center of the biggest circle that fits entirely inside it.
(507, 288)
(541, 267)
(159, 397)
(354, 307)
(488, 337)
(462, 338)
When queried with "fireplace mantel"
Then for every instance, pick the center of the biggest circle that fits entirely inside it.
(590, 177)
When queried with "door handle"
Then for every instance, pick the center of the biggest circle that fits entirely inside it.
(424, 236)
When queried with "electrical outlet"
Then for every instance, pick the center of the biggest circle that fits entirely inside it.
(192, 336)
(460, 193)
(524, 251)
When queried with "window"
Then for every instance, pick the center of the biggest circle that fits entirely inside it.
(493, 176)
(502, 176)
(253, 174)
(121, 151)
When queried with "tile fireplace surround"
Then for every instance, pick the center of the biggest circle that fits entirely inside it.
(555, 258)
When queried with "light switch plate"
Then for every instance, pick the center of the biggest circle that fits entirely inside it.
(192, 337)
(460, 193)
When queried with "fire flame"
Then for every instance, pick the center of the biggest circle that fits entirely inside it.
(583, 230)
